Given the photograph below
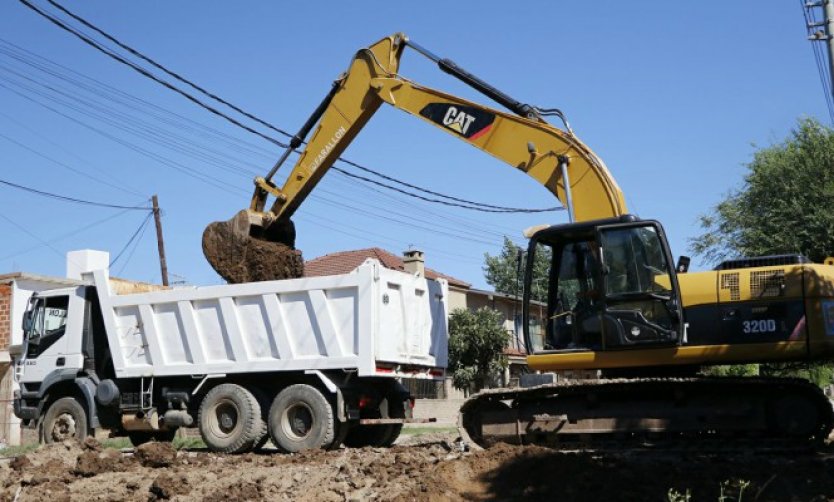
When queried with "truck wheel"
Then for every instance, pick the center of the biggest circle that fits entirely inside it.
(396, 409)
(229, 419)
(141, 437)
(259, 445)
(300, 418)
(65, 419)
(360, 436)
(264, 401)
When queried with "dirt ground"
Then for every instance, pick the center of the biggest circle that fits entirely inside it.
(426, 467)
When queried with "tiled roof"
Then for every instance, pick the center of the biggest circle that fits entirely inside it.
(345, 261)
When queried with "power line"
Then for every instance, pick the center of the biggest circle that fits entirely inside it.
(136, 233)
(133, 250)
(145, 73)
(483, 207)
(210, 180)
(30, 234)
(811, 23)
(70, 199)
(136, 126)
(70, 94)
(71, 233)
(117, 95)
(166, 70)
(467, 204)
(156, 135)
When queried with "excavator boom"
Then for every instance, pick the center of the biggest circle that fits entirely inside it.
(520, 138)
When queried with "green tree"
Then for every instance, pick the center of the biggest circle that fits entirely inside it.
(783, 205)
(476, 343)
(501, 271)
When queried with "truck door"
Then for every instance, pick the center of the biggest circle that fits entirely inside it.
(45, 343)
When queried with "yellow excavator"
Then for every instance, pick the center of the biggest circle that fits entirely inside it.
(616, 301)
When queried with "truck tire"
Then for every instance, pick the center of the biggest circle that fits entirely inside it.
(301, 418)
(396, 409)
(360, 436)
(264, 402)
(230, 420)
(141, 437)
(65, 419)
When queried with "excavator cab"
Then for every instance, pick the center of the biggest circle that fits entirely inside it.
(611, 285)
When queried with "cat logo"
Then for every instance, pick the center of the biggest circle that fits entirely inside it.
(468, 121)
(458, 120)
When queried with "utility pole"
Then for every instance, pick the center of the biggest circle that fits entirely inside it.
(822, 31)
(159, 241)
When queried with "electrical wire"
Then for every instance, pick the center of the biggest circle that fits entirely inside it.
(482, 209)
(162, 68)
(71, 199)
(132, 237)
(101, 89)
(822, 69)
(66, 235)
(145, 73)
(30, 234)
(197, 101)
(467, 224)
(42, 137)
(133, 250)
(119, 97)
(434, 228)
(135, 126)
(250, 150)
(209, 180)
(55, 161)
(462, 202)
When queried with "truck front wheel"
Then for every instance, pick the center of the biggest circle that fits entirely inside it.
(230, 419)
(301, 418)
(65, 419)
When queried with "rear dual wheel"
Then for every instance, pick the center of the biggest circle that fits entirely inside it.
(301, 418)
(360, 436)
(230, 419)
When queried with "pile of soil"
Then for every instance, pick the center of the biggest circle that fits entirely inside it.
(239, 258)
(421, 470)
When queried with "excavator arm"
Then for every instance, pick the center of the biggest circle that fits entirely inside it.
(521, 138)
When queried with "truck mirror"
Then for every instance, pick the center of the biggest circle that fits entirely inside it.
(27, 322)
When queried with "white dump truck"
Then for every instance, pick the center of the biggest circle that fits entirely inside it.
(307, 363)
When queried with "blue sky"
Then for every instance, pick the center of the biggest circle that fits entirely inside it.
(674, 96)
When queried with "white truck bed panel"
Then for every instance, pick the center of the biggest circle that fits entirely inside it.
(350, 321)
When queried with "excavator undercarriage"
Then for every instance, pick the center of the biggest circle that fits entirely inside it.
(700, 412)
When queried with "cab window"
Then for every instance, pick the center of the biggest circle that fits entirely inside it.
(49, 320)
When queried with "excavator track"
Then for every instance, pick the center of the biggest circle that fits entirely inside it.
(702, 413)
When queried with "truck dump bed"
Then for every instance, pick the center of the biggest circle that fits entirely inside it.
(374, 321)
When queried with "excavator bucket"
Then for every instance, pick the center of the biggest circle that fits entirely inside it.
(243, 249)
